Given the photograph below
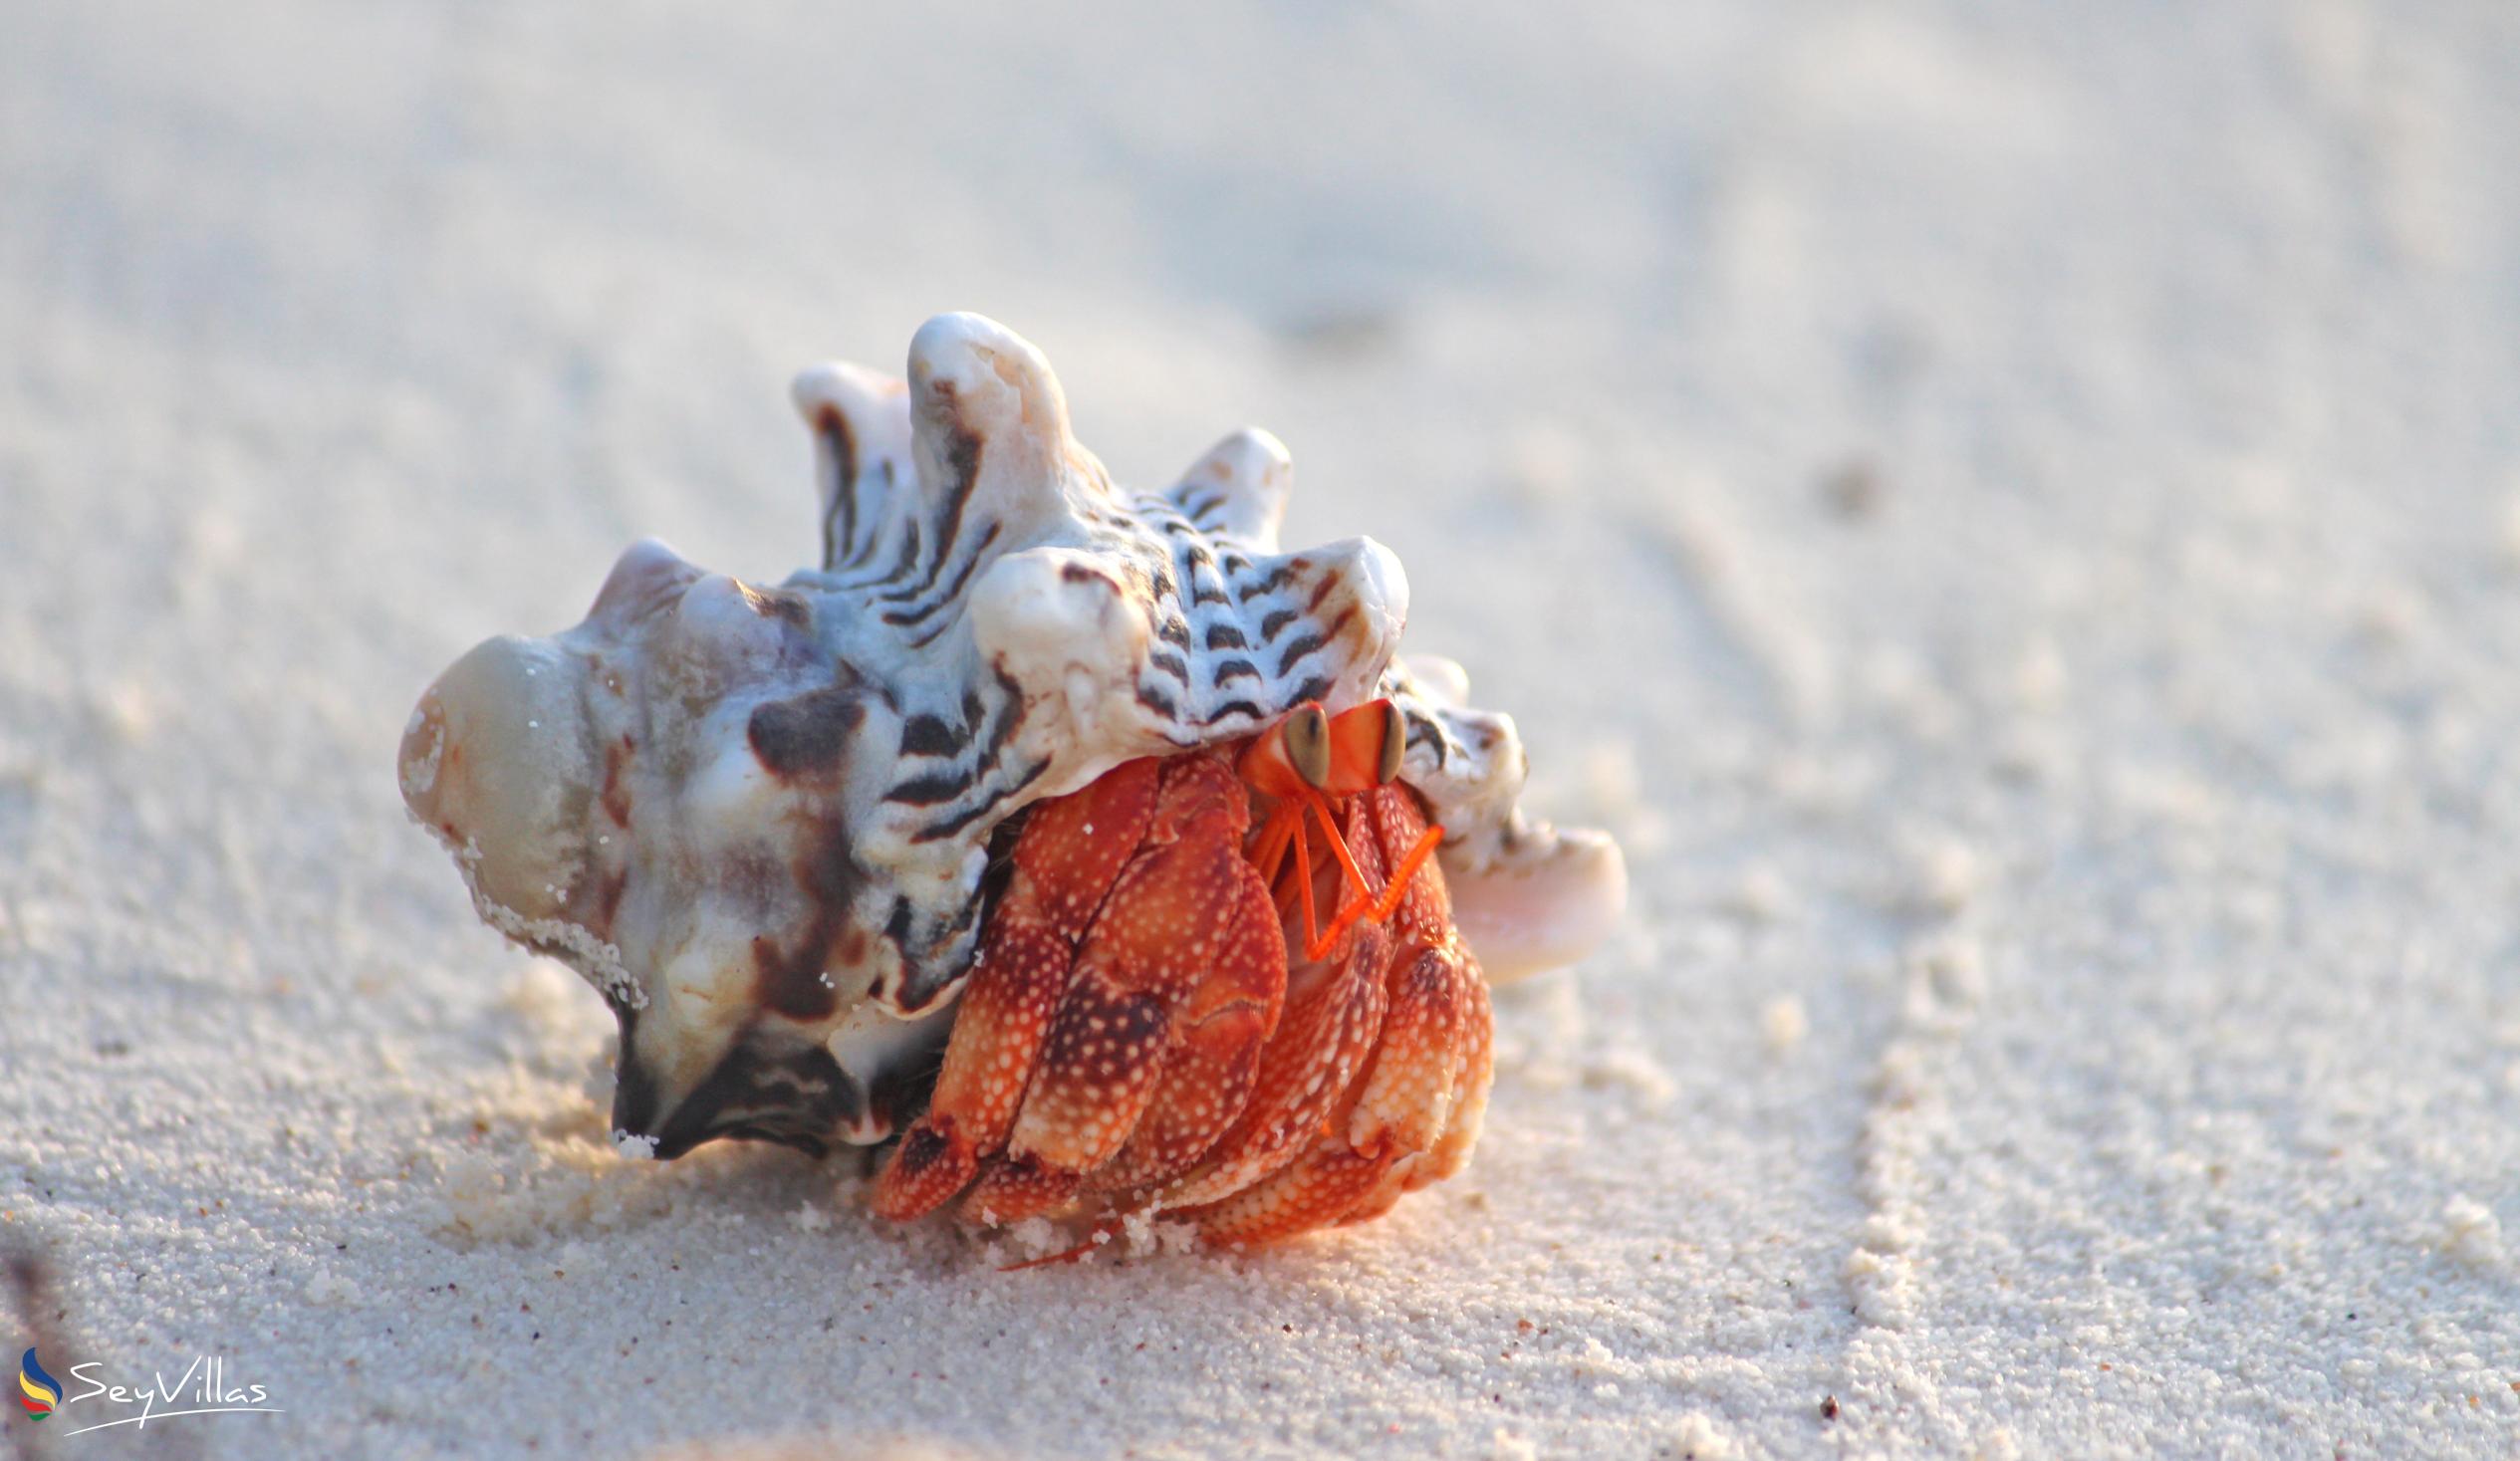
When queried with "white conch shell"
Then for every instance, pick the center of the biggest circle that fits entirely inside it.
(759, 820)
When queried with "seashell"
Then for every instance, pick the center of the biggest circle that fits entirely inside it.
(759, 820)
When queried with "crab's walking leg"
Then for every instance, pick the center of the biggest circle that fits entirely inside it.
(1333, 1014)
(1207, 1077)
(1471, 1088)
(1166, 925)
(1392, 1119)
(1326, 1037)
(1066, 862)
(1422, 913)
(1414, 1114)
(1469, 1059)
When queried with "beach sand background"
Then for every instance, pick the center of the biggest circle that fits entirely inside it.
(2013, 518)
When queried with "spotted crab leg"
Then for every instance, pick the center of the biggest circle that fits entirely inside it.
(1451, 1153)
(1334, 1016)
(1413, 1116)
(1065, 868)
(1208, 1076)
(1172, 964)
(1397, 1115)
(1421, 909)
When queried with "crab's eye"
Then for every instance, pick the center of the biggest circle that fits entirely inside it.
(1308, 744)
(1394, 741)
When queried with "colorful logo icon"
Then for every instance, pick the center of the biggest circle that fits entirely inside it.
(42, 1391)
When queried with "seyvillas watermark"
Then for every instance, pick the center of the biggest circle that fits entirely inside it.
(203, 1388)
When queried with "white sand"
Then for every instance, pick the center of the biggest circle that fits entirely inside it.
(2013, 520)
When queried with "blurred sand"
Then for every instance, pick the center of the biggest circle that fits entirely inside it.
(2014, 520)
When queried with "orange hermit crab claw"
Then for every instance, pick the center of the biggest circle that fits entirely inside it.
(929, 1165)
(1133, 1039)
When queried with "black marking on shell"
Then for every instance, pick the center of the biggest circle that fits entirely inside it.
(929, 790)
(954, 590)
(913, 552)
(1423, 732)
(1271, 582)
(903, 562)
(1302, 646)
(941, 785)
(1200, 567)
(965, 818)
(806, 736)
(1010, 713)
(834, 425)
(931, 735)
(859, 556)
(963, 457)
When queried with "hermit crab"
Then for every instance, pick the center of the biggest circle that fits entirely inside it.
(1197, 886)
